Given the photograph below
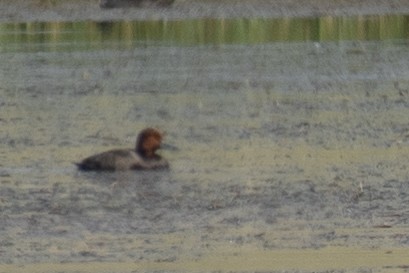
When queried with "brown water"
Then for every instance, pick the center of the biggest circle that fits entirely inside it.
(286, 156)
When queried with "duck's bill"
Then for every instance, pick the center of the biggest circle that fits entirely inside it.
(170, 147)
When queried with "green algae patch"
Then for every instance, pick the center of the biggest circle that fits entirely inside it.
(235, 259)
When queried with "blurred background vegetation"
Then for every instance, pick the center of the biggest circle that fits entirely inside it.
(92, 35)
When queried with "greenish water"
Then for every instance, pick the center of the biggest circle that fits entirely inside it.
(87, 35)
(291, 136)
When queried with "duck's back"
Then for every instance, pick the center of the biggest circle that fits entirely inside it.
(121, 159)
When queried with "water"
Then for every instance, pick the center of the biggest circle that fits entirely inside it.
(281, 145)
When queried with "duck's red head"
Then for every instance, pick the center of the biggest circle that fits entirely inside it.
(148, 142)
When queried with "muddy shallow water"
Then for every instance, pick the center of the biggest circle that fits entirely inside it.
(285, 156)
(79, 10)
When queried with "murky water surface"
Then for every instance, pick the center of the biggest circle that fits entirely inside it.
(283, 153)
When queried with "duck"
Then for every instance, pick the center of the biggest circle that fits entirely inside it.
(107, 4)
(142, 157)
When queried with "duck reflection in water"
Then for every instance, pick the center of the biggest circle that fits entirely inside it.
(143, 157)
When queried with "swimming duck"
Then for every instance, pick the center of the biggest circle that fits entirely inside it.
(143, 157)
(134, 3)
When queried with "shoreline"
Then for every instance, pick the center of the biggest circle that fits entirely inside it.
(79, 10)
